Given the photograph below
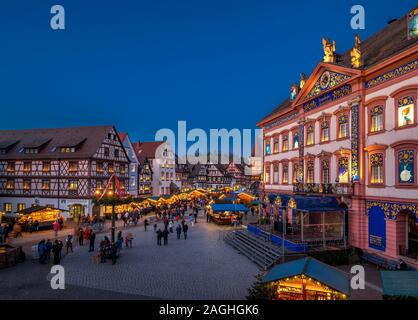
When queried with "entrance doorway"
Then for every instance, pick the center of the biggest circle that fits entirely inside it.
(410, 223)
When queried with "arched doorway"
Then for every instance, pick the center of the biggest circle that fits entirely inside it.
(409, 234)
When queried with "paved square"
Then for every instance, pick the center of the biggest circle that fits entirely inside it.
(201, 267)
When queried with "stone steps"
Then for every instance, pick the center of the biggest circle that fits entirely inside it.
(257, 249)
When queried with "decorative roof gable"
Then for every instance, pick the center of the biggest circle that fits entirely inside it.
(327, 80)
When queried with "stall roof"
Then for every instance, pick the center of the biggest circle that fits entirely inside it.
(326, 274)
(400, 283)
(221, 207)
(36, 209)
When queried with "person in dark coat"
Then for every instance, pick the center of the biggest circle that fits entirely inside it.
(159, 236)
(49, 245)
(178, 231)
(165, 236)
(185, 229)
(114, 252)
(56, 250)
(42, 251)
(146, 224)
(80, 237)
(92, 238)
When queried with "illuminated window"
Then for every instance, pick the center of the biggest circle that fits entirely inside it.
(310, 132)
(111, 168)
(7, 207)
(45, 185)
(285, 179)
(325, 171)
(67, 150)
(26, 185)
(343, 126)
(376, 119)
(406, 166)
(10, 184)
(31, 150)
(376, 168)
(46, 167)
(276, 174)
(310, 170)
(285, 143)
(343, 172)
(406, 111)
(99, 167)
(10, 167)
(295, 140)
(268, 148)
(26, 167)
(267, 174)
(325, 131)
(132, 167)
(73, 185)
(21, 206)
(73, 166)
(276, 146)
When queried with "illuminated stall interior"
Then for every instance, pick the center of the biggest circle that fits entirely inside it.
(44, 215)
(308, 279)
(226, 213)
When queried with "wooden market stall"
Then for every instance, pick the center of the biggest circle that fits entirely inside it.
(44, 215)
(226, 213)
(308, 279)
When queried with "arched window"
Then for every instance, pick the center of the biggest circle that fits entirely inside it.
(377, 168)
(325, 173)
(310, 135)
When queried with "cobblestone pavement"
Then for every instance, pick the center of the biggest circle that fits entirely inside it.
(201, 267)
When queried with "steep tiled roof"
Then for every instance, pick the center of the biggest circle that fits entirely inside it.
(86, 139)
(122, 136)
(146, 150)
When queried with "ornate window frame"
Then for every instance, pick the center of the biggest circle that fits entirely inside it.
(308, 159)
(398, 146)
(370, 106)
(293, 131)
(267, 171)
(411, 90)
(267, 142)
(342, 111)
(285, 164)
(284, 134)
(324, 118)
(372, 150)
(276, 164)
(325, 156)
(276, 140)
(339, 154)
(308, 124)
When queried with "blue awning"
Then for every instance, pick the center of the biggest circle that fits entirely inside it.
(309, 203)
(400, 283)
(326, 274)
(222, 207)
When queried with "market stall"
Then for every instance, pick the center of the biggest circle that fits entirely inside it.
(308, 279)
(45, 216)
(226, 213)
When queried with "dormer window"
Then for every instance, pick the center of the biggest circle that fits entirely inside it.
(67, 150)
(30, 150)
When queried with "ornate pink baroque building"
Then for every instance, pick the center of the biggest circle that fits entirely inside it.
(349, 131)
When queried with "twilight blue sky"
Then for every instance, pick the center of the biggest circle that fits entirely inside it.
(143, 65)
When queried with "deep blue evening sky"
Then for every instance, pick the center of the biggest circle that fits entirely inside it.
(143, 65)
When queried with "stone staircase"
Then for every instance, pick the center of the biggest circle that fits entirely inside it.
(256, 248)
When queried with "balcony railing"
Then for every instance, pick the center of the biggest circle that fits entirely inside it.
(324, 188)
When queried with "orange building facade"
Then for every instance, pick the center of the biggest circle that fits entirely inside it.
(349, 130)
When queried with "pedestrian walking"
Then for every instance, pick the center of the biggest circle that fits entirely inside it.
(146, 224)
(69, 243)
(178, 231)
(56, 227)
(159, 236)
(170, 226)
(165, 236)
(114, 253)
(155, 227)
(128, 240)
(56, 250)
(80, 237)
(42, 251)
(49, 245)
(185, 229)
(92, 238)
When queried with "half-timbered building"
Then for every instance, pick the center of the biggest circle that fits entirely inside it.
(349, 131)
(63, 168)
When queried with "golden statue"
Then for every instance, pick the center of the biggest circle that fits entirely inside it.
(303, 79)
(329, 50)
(355, 53)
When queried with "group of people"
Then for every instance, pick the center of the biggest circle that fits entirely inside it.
(87, 234)
(129, 218)
(45, 248)
(109, 250)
